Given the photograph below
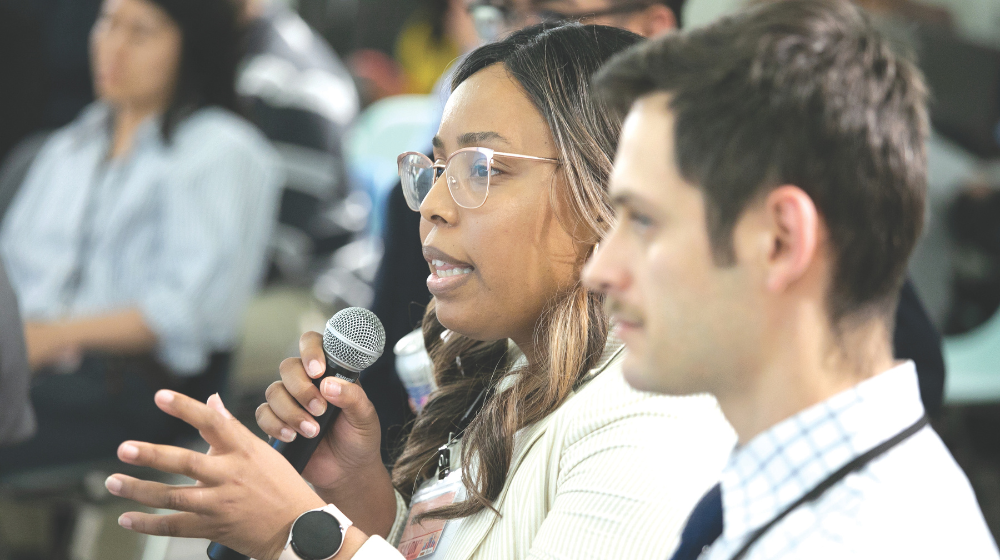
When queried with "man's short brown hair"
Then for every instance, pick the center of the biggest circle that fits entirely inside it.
(801, 92)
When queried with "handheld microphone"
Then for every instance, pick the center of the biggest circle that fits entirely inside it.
(353, 340)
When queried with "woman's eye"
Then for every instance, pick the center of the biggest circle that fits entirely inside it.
(480, 171)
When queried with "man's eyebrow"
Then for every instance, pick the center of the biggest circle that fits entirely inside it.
(476, 138)
(629, 200)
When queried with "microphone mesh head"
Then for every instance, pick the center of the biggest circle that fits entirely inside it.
(361, 338)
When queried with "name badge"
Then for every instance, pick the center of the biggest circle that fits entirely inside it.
(421, 540)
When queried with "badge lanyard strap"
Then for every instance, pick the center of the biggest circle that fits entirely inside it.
(820, 489)
(444, 452)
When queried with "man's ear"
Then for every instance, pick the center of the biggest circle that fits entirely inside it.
(657, 20)
(794, 235)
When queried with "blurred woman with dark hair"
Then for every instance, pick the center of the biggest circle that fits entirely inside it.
(140, 229)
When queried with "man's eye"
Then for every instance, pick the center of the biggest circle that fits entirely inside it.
(639, 220)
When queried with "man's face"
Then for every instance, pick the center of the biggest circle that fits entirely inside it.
(495, 18)
(638, 16)
(689, 324)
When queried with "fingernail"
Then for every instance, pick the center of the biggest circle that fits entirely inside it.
(308, 428)
(287, 435)
(221, 407)
(129, 451)
(315, 368)
(317, 407)
(331, 389)
(125, 522)
(165, 397)
(113, 485)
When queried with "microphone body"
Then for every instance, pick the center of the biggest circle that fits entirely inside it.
(353, 340)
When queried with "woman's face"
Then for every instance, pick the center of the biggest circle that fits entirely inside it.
(494, 268)
(136, 52)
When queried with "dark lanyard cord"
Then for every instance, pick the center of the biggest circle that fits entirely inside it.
(834, 478)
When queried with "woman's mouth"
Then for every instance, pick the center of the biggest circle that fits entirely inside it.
(443, 269)
(446, 277)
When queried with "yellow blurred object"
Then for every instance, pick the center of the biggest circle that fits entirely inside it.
(423, 57)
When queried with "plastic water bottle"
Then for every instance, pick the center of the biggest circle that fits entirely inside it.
(415, 369)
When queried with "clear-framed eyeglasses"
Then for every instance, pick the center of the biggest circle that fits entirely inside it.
(623, 8)
(494, 18)
(467, 172)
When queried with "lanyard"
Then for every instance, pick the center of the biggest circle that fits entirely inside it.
(444, 452)
(834, 478)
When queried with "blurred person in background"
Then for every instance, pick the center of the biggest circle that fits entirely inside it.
(649, 18)
(294, 88)
(434, 37)
(17, 420)
(140, 231)
(400, 288)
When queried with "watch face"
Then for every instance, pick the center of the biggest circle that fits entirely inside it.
(316, 535)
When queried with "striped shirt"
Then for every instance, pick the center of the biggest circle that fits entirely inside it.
(611, 474)
(178, 231)
(913, 502)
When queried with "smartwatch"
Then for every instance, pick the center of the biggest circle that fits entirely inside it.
(316, 535)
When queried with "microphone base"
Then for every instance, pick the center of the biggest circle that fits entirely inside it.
(218, 552)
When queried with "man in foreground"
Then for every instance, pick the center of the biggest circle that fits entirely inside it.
(770, 187)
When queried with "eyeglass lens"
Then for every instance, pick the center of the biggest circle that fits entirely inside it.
(467, 176)
(416, 173)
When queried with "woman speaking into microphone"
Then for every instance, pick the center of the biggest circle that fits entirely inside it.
(533, 446)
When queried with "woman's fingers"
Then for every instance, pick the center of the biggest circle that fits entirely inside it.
(351, 398)
(170, 459)
(298, 384)
(171, 525)
(215, 428)
(272, 425)
(287, 409)
(311, 352)
(192, 499)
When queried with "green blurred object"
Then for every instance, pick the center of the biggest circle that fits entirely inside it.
(972, 361)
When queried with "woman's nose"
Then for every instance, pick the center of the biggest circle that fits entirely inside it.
(438, 206)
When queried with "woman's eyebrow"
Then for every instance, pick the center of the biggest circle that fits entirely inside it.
(477, 138)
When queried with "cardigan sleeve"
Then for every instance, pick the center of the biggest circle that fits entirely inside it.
(400, 522)
(377, 548)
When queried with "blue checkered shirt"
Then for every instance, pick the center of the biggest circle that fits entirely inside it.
(912, 502)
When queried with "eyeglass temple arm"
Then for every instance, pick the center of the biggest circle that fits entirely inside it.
(520, 156)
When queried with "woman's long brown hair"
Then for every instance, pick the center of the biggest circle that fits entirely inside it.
(554, 66)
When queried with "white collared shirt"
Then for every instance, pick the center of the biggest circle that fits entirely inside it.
(178, 230)
(912, 502)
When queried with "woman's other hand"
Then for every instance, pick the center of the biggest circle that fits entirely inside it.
(346, 469)
(246, 497)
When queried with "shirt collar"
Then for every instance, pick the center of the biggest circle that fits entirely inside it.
(93, 126)
(613, 348)
(782, 464)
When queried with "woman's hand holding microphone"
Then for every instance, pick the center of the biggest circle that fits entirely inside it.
(346, 469)
(247, 495)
